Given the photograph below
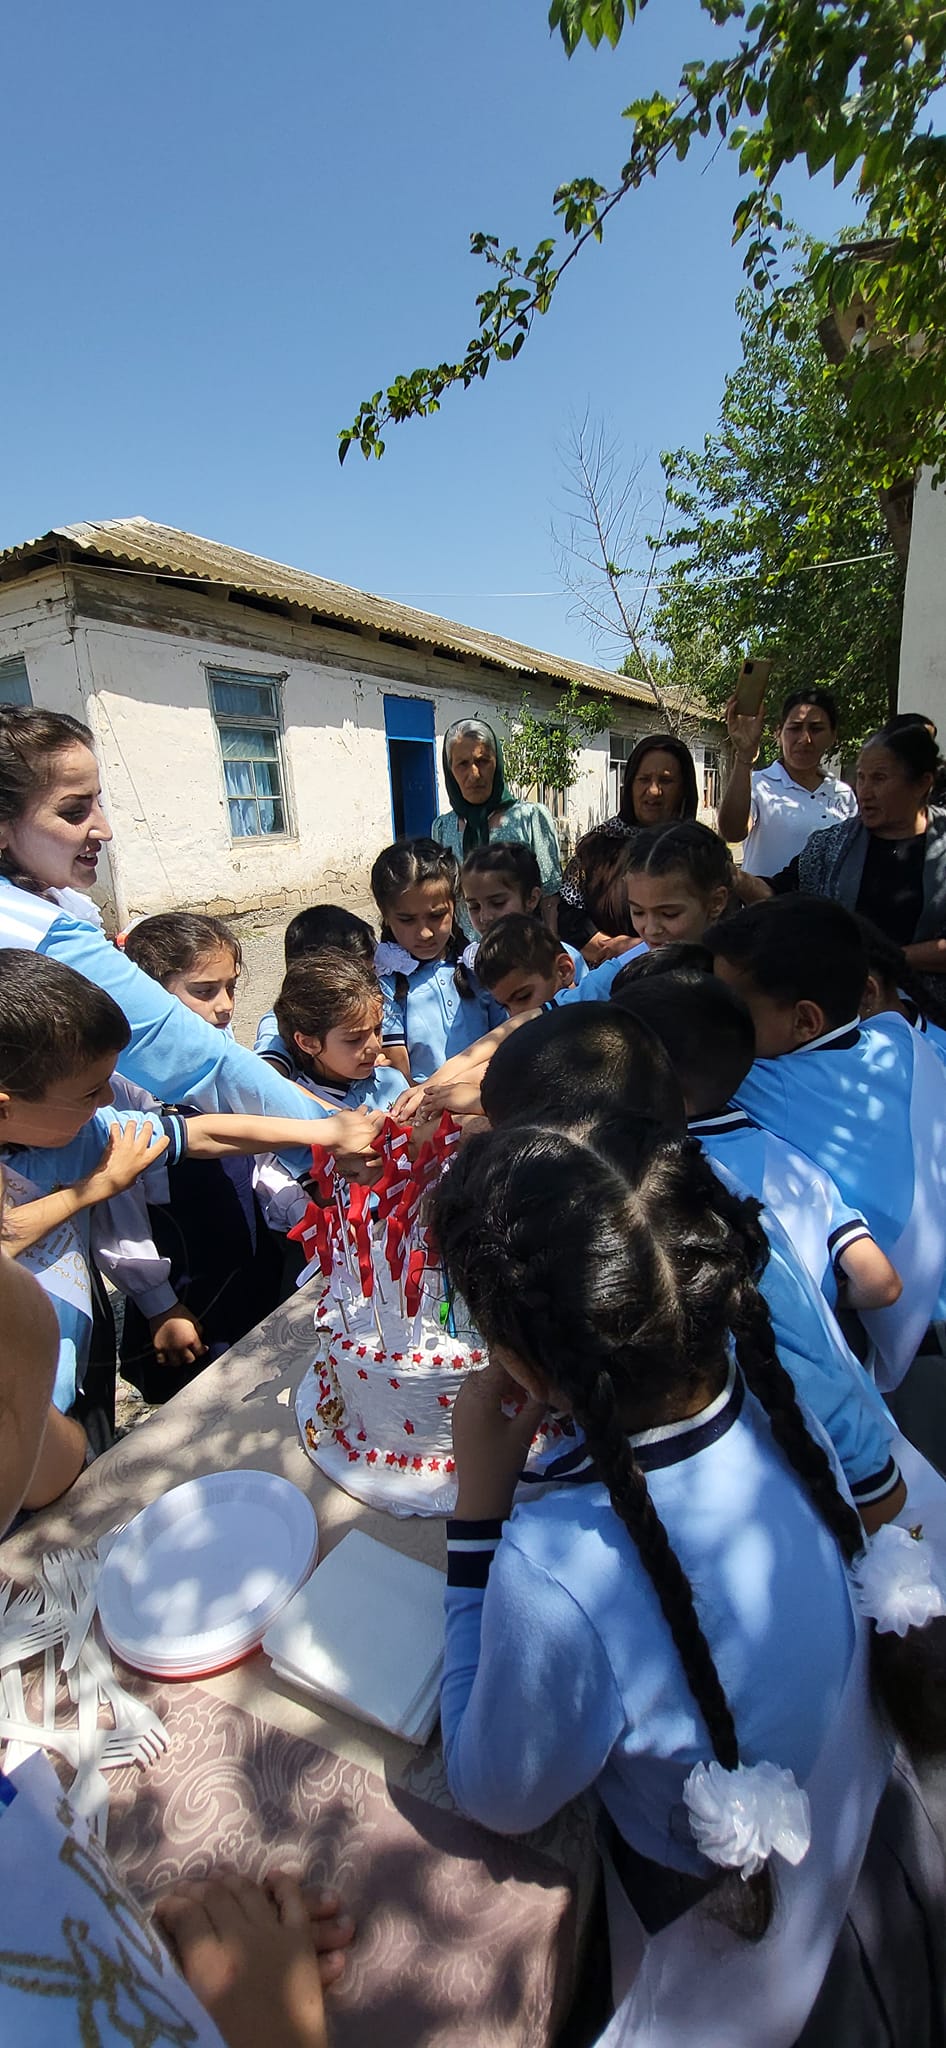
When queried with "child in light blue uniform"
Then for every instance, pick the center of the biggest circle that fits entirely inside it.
(433, 1006)
(328, 1015)
(49, 1169)
(328, 1019)
(563, 1065)
(60, 1038)
(522, 964)
(319, 926)
(893, 986)
(676, 879)
(865, 1102)
(709, 1036)
(502, 879)
(686, 1609)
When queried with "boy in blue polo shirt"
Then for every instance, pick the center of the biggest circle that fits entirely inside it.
(867, 1102)
(707, 1031)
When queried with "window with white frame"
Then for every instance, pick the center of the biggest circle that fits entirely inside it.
(15, 682)
(622, 746)
(247, 715)
(711, 779)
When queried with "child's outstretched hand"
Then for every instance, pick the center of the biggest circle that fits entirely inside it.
(357, 1130)
(176, 1338)
(494, 1422)
(248, 1954)
(130, 1148)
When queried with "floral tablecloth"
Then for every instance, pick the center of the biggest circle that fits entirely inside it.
(465, 1939)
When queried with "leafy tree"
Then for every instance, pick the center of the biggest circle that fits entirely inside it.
(844, 84)
(750, 576)
(543, 753)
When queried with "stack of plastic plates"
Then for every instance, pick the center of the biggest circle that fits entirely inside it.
(191, 1584)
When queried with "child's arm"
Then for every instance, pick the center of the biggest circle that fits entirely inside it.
(221, 1136)
(872, 1282)
(126, 1253)
(61, 1459)
(28, 1359)
(130, 1148)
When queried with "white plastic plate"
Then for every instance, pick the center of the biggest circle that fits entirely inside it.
(192, 1583)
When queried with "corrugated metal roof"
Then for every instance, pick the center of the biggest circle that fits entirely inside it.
(167, 551)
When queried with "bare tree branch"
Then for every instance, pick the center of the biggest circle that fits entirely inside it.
(602, 536)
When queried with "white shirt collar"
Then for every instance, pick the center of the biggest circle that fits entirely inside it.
(832, 1037)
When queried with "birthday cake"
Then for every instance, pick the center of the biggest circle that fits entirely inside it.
(385, 1387)
(375, 1409)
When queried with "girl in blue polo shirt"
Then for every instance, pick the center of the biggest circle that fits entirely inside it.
(675, 1626)
(433, 1005)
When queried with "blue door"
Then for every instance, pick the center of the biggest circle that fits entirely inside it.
(412, 764)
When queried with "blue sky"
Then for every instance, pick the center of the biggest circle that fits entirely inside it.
(227, 223)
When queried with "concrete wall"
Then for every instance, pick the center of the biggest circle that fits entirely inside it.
(923, 639)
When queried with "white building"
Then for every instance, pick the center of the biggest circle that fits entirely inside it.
(262, 733)
(923, 637)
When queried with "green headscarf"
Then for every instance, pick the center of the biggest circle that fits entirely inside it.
(475, 817)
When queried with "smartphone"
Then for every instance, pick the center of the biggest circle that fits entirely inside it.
(752, 685)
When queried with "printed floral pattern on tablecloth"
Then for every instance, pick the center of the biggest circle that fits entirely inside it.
(465, 1939)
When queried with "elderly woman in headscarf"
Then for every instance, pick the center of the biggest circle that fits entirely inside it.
(482, 808)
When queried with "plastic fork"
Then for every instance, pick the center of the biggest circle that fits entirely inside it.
(119, 1746)
(72, 1578)
(133, 1714)
(88, 1792)
(27, 1624)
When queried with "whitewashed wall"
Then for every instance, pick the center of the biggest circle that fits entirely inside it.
(35, 621)
(148, 701)
(144, 690)
(923, 639)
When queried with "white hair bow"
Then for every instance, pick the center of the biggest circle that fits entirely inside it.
(392, 959)
(896, 1581)
(738, 1818)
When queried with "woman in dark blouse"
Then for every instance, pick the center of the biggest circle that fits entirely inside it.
(659, 786)
(888, 863)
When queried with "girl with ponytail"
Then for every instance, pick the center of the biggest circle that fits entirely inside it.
(676, 1622)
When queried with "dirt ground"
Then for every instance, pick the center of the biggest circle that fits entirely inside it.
(261, 937)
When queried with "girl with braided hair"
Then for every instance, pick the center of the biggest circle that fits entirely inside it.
(675, 1626)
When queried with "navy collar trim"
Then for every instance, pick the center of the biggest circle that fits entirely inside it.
(672, 1443)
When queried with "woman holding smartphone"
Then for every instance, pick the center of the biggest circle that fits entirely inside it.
(776, 809)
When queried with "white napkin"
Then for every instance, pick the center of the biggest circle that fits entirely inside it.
(365, 1634)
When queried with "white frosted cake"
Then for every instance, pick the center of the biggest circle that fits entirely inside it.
(386, 1386)
(375, 1409)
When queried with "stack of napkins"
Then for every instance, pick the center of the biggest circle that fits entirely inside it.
(365, 1634)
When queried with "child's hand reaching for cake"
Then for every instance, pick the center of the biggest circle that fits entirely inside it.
(495, 1419)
